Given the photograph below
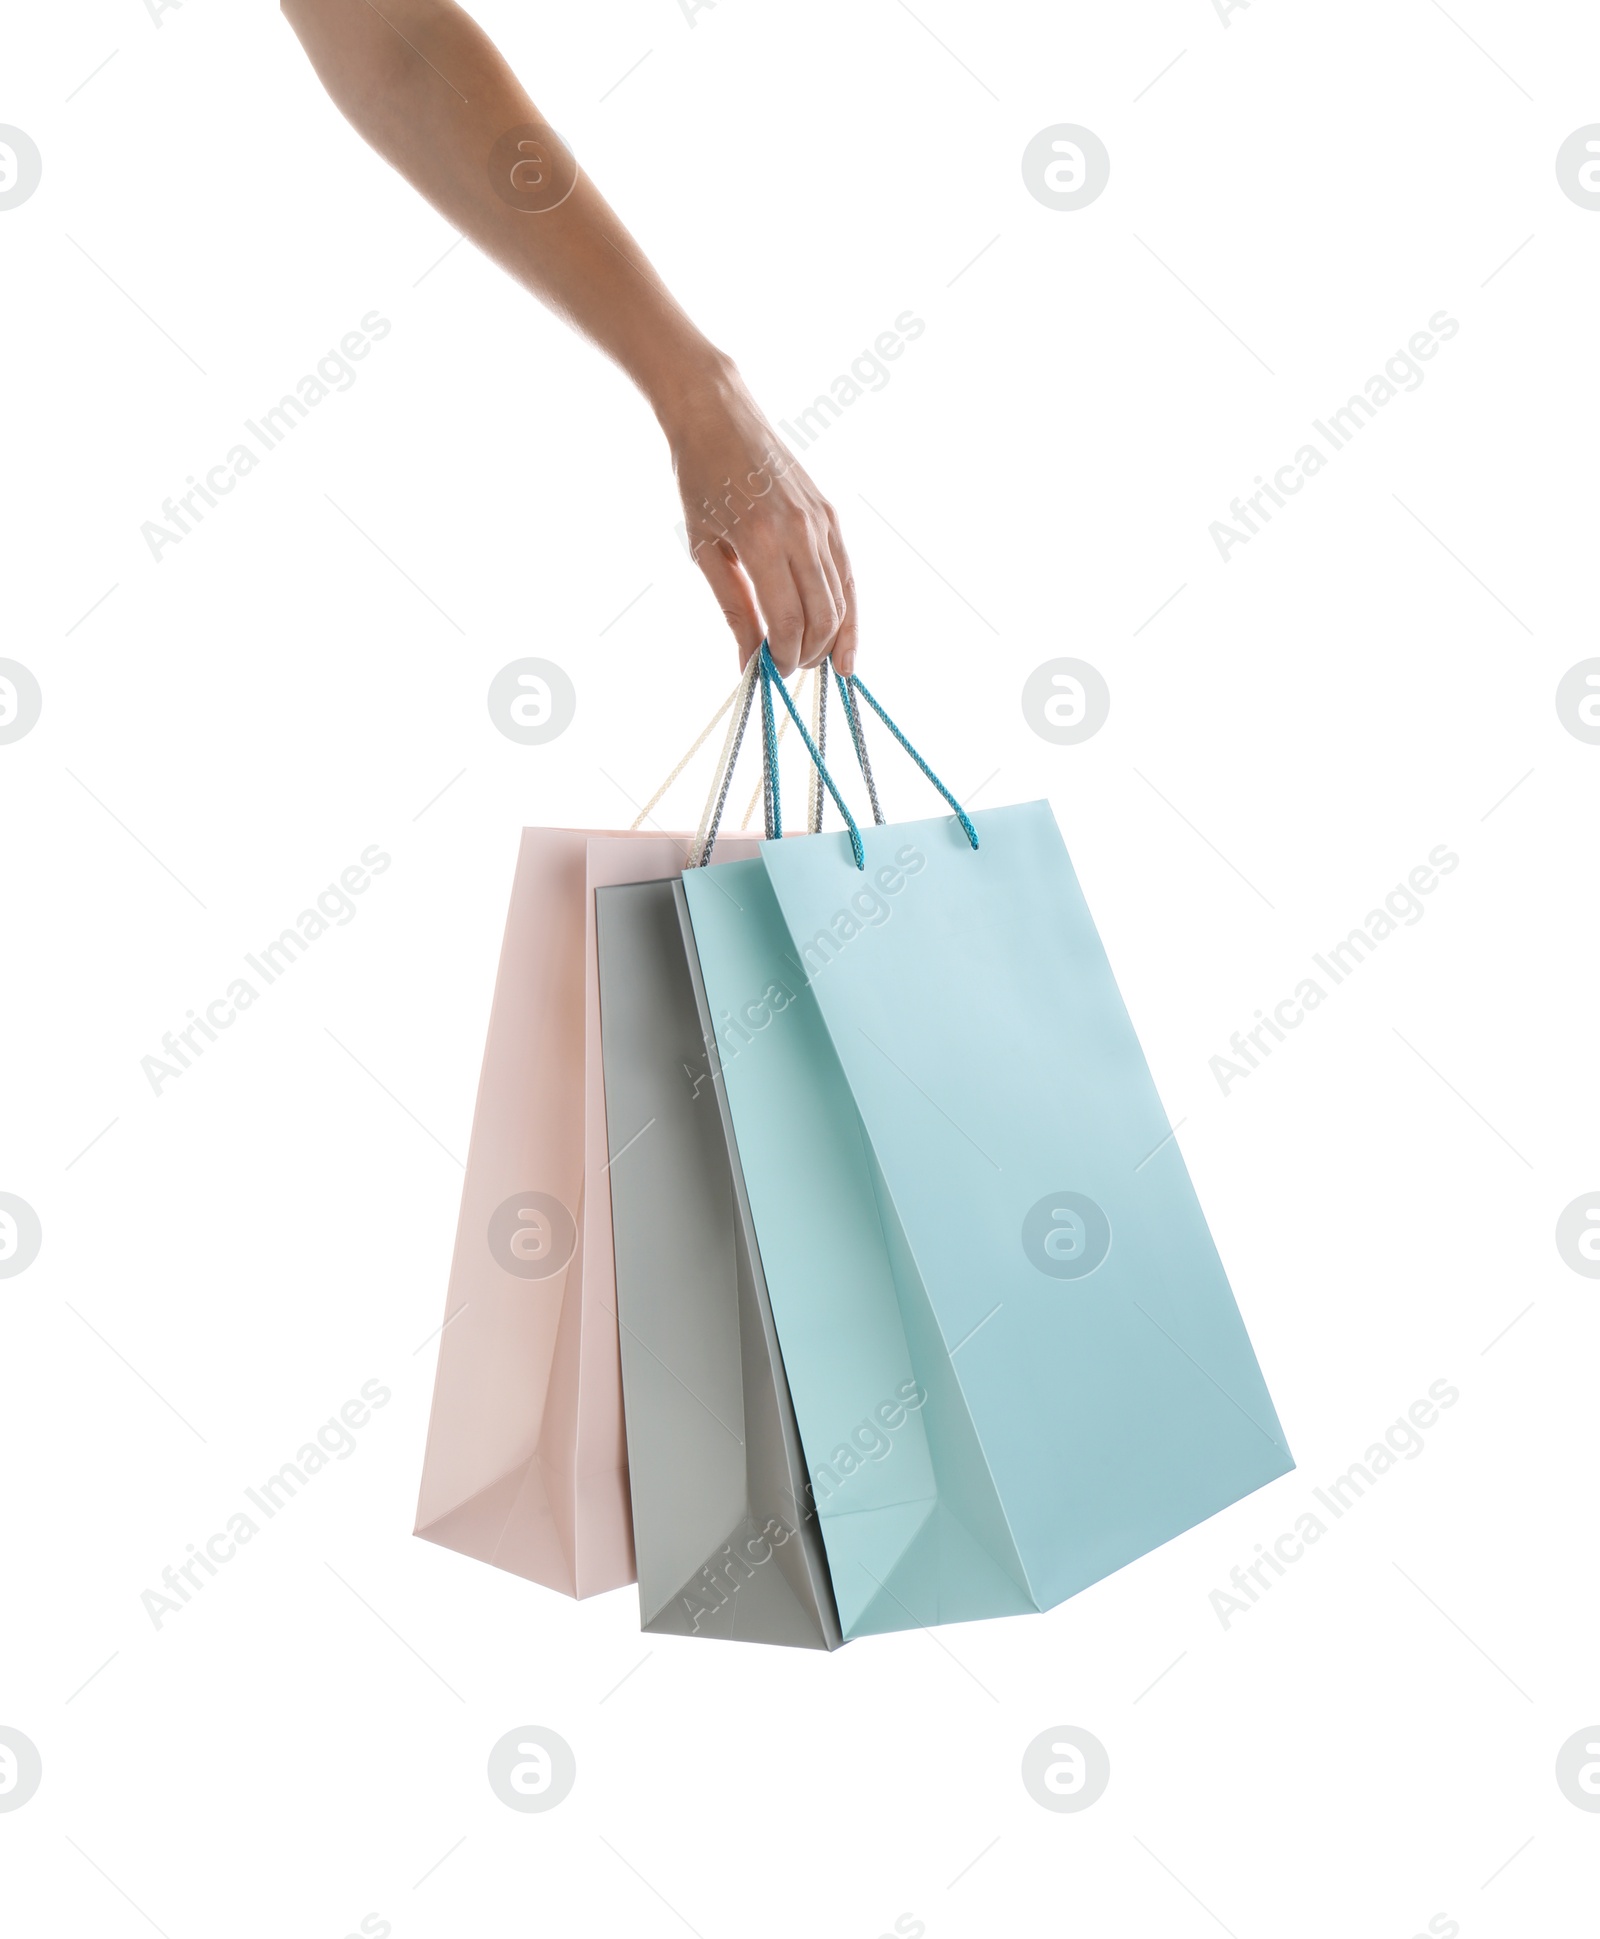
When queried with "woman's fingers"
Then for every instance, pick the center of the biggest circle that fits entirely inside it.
(821, 600)
(732, 591)
(844, 646)
(769, 546)
(782, 607)
(799, 597)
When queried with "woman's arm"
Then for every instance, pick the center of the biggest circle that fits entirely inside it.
(427, 88)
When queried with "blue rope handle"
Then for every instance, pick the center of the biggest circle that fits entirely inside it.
(846, 683)
(771, 805)
(769, 679)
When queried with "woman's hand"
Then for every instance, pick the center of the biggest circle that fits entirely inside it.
(766, 539)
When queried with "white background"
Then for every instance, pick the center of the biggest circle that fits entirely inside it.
(1373, 1744)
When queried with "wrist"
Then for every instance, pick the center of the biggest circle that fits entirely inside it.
(702, 379)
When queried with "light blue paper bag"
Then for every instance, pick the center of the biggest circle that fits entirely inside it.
(1015, 1359)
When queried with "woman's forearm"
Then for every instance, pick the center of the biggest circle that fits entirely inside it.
(424, 85)
(427, 88)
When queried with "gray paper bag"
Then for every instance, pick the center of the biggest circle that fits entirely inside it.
(726, 1540)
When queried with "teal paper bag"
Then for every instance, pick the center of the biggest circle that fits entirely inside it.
(962, 1177)
(911, 1525)
(1029, 1170)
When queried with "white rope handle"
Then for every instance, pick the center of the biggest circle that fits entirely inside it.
(700, 740)
(736, 706)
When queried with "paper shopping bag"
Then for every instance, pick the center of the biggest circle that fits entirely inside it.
(525, 1465)
(889, 1470)
(725, 1542)
(1015, 1358)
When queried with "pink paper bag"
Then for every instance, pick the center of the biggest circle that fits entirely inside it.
(525, 1465)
